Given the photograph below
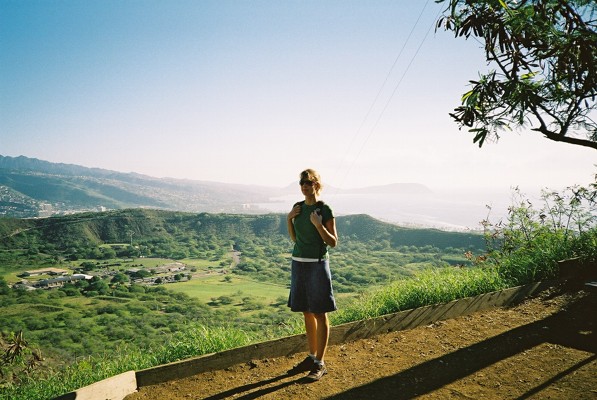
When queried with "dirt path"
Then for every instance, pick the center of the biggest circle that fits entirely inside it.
(544, 348)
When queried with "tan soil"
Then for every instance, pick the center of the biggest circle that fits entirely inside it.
(544, 348)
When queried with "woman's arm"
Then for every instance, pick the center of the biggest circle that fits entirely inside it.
(327, 231)
(296, 210)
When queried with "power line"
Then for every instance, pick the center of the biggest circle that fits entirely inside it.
(349, 169)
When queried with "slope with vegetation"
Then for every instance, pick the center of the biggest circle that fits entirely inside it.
(30, 188)
(139, 325)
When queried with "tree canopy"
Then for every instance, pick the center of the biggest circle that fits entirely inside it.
(545, 58)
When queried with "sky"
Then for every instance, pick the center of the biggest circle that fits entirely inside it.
(253, 92)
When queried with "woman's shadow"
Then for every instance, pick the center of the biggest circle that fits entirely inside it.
(286, 379)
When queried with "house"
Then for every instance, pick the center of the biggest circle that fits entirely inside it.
(172, 267)
(23, 285)
(132, 271)
(60, 281)
(44, 271)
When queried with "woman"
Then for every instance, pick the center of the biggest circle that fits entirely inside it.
(312, 227)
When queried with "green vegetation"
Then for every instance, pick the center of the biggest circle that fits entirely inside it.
(379, 269)
(196, 339)
(32, 188)
(543, 57)
(528, 246)
(214, 288)
(236, 271)
(428, 287)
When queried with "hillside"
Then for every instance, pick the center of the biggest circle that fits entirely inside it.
(159, 226)
(371, 252)
(230, 270)
(30, 187)
(221, 253)
(35, 188)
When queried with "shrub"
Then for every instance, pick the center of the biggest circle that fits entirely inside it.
(527, 247)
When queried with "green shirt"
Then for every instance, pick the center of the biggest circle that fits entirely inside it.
(309, 243)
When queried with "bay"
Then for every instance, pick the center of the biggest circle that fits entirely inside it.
(447, 211)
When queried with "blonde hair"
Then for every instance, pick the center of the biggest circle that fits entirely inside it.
(313, 176)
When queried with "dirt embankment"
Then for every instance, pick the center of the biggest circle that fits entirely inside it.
(544, 348)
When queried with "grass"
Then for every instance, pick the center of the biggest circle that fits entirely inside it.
(431, 286)
(427, 287)
(213, 286)
(196, 340)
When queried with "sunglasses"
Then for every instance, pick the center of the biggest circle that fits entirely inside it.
(305, 182)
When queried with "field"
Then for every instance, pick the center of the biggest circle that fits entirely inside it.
(213, 285)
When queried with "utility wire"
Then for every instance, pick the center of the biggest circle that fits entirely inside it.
(392, 94)
(49, 221)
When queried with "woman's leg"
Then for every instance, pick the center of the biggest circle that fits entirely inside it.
(323, 333)
(317, 328)
(311, 330)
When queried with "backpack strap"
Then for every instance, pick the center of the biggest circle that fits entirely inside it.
(319, 204)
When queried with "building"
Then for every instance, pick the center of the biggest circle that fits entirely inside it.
(44, 271)
(60, 281)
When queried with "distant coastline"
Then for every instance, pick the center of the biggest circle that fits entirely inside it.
(428, 211)
(35, 188)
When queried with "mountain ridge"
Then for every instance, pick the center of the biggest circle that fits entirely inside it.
(30, 187)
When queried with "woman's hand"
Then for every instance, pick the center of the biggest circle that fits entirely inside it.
(316, 219)
(296, 210)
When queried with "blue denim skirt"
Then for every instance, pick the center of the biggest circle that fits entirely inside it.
(311, 287)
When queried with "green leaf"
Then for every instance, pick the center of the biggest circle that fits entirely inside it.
(466, 96)
(529, 75)
(480, 136)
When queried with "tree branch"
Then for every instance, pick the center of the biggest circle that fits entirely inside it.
(566, 139)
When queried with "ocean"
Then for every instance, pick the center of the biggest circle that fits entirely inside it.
(448, 211)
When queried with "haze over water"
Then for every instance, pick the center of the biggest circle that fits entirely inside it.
(448, 211)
